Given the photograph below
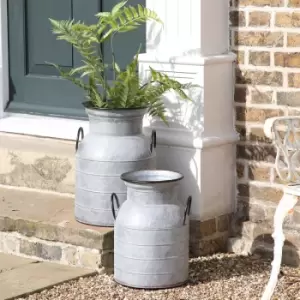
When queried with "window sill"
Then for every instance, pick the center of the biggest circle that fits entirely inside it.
(42, 126)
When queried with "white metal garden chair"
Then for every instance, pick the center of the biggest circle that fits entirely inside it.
(285, 134)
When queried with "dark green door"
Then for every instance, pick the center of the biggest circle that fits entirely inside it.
(36, 87)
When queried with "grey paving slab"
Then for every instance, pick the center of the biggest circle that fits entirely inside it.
(31, 277)
(9, 262)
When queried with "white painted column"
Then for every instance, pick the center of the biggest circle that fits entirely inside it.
(193, 46)
(198, 25)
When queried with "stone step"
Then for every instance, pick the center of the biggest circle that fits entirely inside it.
(41, 225)
(37, 163)
(256, 238)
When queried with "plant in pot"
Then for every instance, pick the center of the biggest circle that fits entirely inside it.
(115, 143)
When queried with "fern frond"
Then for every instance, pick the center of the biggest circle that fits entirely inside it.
(158, 109)
(125, 92)
(126, 18)
(117, 7)
(66, 75)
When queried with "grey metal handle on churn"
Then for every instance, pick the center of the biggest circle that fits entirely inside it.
(187, 208)
(153, 140)
(80, 132)
(113, 198)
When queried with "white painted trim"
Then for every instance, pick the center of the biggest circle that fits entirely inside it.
(66, 129)
(42, 126)
(165, 136)
(4, 78)
(187, 59)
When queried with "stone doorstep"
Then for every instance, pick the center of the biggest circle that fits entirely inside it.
(42, 225)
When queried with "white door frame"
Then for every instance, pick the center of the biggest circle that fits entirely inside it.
(4, 77)
(190, 66)
(25, 123)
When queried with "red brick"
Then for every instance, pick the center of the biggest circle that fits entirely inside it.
(259, 58)
(266, 153)
(241, 130)
(259, 78)
(293, 40)
(251, 114)
(240, 170)
(259, 18)
(259, 38)
(287, 19)
(259, 173)
(257, 135)
(260, 192)
(240, 57)
(288, 98)
(237, 18)
(294, 80)
(241, 94)
(291, 60)
(294, 3)
(260, 97)
(274, 3)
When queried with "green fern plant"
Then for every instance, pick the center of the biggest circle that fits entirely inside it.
(126, 91)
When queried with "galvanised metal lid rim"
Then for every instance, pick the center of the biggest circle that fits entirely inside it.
(91, 108)
(151, 176)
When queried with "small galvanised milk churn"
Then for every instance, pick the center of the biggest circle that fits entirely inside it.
(151, 236)
(115, 144)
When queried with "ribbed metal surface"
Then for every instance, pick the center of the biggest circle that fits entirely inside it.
(151, 237)
(114, 145)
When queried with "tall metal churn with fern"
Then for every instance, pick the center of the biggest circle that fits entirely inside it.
(115, 143)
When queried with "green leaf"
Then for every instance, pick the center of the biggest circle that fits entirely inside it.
(147, 12)
(182, 94)
(141, 10)
(86, 73)
(128, 13)
(128, 28)
(54, 23)
(117, 68)
(117, 7)
(122, 19)
(103, 14)
(114, 24)
(134, 11)
(78, 70)
(107, 35)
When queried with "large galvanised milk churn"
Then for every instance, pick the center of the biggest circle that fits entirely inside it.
(115, 144)
(151, 236)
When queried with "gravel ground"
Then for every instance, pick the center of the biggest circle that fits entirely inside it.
(222, 276)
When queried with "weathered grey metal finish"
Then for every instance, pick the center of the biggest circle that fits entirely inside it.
(114, 145)
(151, 238)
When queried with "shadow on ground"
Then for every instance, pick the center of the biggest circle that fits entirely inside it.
(221, 267)
(263, 246)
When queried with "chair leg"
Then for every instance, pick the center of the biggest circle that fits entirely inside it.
(286, 204)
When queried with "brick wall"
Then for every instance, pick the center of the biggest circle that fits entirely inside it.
(265, 34)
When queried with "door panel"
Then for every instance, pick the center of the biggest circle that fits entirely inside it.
(36, 87)
(41, 43)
